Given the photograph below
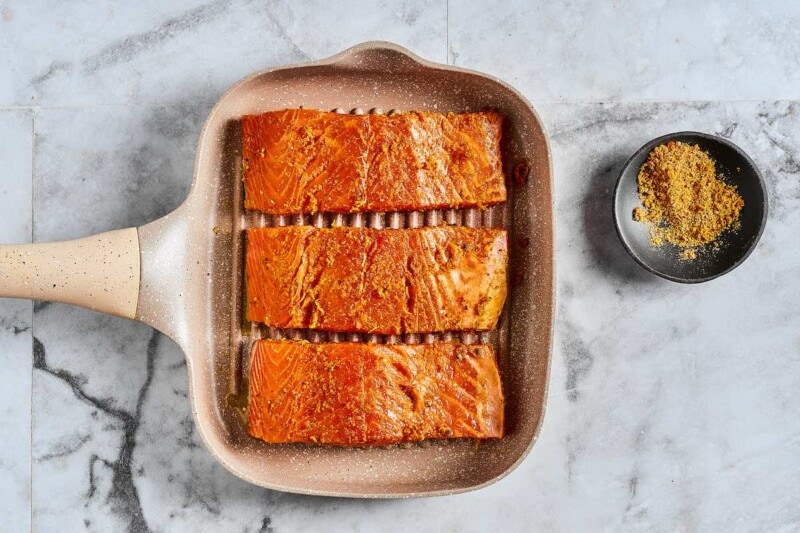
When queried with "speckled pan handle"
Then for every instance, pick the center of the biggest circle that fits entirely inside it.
(101, 272)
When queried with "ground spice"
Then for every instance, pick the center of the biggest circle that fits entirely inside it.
(683, 199)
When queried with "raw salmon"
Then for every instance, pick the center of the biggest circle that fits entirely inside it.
(304, 161)
(373, 394)
(386, 281)
(434, 160)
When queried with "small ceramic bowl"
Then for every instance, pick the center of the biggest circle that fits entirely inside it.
(736, 168)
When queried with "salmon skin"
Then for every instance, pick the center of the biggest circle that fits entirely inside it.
(305, 161)
(388, 281)
(373, 394)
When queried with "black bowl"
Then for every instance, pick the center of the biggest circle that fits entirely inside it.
(736, 168)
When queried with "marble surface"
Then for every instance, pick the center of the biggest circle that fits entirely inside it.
(16, 147)
(671, 408)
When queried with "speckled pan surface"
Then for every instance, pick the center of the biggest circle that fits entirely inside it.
(189, 276)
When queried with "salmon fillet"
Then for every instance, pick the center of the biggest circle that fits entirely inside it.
(373, 394)
(303, 161)
(434, 160)
(388, 281)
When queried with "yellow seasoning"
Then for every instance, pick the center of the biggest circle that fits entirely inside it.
(683, 199)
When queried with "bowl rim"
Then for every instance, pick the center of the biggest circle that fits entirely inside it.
(648, 146)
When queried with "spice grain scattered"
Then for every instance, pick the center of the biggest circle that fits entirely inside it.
(684, 199)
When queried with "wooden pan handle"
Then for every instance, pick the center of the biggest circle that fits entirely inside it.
(101, 272)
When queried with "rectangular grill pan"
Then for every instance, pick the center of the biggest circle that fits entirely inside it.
(184, 275)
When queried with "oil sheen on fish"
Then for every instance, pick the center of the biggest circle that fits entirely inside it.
(387, 281)
(304, 161)
(373, 394)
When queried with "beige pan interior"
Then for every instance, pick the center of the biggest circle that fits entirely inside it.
(188, 277)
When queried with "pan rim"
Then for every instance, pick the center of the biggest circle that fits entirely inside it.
(212, 439)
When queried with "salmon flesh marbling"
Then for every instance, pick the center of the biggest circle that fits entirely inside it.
(387, 281)
(373, 394)
(306, 161)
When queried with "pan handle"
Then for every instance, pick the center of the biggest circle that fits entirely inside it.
(101, 272)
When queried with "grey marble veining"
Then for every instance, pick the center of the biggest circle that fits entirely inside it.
(111, 167)
(678, 395)
(16, 140)
(186, 51)
(616, 50)
(671, 408)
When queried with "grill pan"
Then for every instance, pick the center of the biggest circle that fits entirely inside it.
(183, 274)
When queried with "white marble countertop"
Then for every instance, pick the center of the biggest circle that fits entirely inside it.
(671, 407)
